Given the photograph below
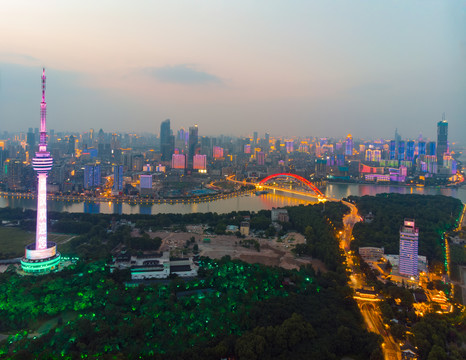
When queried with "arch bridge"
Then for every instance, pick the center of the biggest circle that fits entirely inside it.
(300, 179)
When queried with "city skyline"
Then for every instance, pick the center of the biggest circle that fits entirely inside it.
(322, 69)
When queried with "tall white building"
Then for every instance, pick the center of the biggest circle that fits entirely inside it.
(409, 239)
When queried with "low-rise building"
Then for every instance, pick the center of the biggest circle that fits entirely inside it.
(154, 266)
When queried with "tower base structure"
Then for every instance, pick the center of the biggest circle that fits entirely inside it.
(40, 261)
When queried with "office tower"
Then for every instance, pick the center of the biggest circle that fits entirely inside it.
(397, 139)
(178, 161)
(289, 146)
(31, 140)
(218, 152)
(254, 138)
(410, 150)
(392, 150)
(145, 184)
(199, 162)
(247, 148)
(442, 140)
(409, 238)
(421, 148)
(193, 141)
(13, 173)
(41, 256)
(167, 140)
(349, 145)
(267, 142)
(92, 176)
(117, 179)
(401, 150)
(260, 158)
(71, 145)
(431, 148)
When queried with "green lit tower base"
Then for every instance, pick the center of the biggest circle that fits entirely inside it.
(41, 261)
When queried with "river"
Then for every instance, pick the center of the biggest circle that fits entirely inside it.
(246, 202)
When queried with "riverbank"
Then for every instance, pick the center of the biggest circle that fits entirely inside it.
(131, 201)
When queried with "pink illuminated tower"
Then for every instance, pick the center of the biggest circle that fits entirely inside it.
(42, 256)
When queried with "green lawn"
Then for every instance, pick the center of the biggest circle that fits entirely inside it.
(13, 241)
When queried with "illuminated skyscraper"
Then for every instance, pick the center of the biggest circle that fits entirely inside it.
(349, 145)
(442, 140)
(392, 150)
(199, 162)
(178, 161)
(41, 256)
(409, 237)
(401, 150)
(410, 150)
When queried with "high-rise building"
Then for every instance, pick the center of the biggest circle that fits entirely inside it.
(392, 150)
(41, 256)
(421, 148)
(167, 140)
(431, 148)
(410, 147)
(92, 176)
(401, 151)
(199, 162)
(193, 141)
(145, 184)
(117, 179)
(409, 238)
(178, 161)
(260, 158)
(266, 142)
(289, 146)
(218, 152)
(254, 138)
(349, 145)
(442, 140)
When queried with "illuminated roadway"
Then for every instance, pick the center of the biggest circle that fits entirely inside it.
(369, 311)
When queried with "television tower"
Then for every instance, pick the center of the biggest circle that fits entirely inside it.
(42, 256)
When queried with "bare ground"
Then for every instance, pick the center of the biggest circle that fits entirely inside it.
(273, 252)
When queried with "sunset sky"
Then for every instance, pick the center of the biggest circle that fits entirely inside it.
(303, 68)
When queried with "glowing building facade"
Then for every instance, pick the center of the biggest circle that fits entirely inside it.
(41, 256)
(349, 145)
(409, 238)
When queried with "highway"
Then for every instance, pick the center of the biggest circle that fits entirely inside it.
(369, 310)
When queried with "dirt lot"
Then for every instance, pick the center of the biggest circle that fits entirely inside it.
(273, 252)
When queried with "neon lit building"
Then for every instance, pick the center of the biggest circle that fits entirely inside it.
(178, 161)
(349, 145)
(409, 238)
(41, 256)
(218, 152)
(199, 162)
(289, 146)
(410, 150)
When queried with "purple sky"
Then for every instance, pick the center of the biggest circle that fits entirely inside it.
(310, 68)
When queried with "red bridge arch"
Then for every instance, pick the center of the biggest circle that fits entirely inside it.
(297, 177)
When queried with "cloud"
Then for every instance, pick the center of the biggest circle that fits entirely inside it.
(182, 74)
(22, 59)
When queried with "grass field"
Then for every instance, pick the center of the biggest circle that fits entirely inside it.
(13, 240)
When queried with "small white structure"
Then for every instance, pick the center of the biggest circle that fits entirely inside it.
(155, 266)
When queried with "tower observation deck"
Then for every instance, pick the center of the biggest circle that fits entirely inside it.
(41, 256)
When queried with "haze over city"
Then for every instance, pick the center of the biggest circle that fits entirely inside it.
(321, 68)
